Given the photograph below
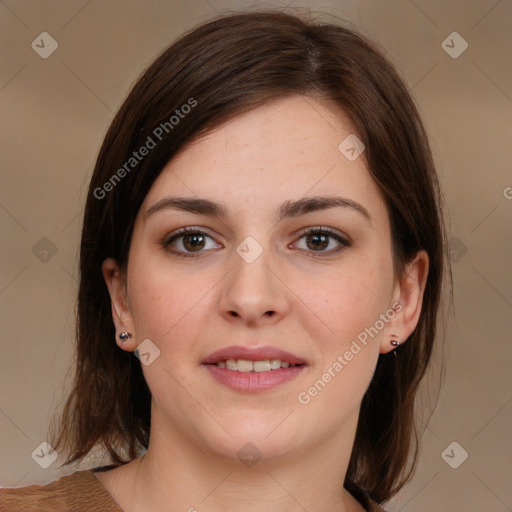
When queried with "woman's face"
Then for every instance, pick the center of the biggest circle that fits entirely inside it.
(248, 275)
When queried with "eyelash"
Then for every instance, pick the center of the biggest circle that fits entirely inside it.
(166, 242)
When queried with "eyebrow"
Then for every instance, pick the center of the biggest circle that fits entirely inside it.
(287, 209)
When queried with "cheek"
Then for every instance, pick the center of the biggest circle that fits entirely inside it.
(347, 359)
(349, 300)
(350, 303)
(161, 301)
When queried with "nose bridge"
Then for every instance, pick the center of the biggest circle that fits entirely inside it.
(252, 291)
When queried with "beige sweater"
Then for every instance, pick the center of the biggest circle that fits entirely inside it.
(80, 491)
(83, 492)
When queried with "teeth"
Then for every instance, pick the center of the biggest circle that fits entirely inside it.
(242, 365)
(231, 364)
(260, 366)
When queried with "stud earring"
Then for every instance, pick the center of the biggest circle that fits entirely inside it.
(395, 342)
(125, 337)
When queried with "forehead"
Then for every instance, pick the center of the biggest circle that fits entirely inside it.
(286, 149)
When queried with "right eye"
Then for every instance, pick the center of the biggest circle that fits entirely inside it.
(187, 241)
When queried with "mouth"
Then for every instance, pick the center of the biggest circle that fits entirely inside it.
(243, 365)
(252, 370)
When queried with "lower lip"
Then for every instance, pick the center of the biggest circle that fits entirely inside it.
(253, 381)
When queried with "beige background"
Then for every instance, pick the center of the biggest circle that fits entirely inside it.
(55, 111)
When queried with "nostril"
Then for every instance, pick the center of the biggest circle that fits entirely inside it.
(267, 313)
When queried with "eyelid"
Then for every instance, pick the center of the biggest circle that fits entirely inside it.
(187, 229)
(178, 233)
(325, 229)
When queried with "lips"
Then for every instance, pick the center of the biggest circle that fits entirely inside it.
(273, 367)
(253, 354)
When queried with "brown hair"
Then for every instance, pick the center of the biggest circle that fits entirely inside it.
(228, 66)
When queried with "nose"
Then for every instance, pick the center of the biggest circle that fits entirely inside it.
(254, 292)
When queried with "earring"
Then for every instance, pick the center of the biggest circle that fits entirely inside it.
(395, 342)
(125, 337)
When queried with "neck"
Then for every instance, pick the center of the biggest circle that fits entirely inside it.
(176, 474)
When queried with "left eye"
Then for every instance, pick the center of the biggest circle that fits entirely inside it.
(318, 240)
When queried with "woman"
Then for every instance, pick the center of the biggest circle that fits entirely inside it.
(261, 265)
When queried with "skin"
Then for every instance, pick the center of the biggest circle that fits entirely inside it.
(191, 306)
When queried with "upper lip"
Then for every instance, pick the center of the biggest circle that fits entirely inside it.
(252, 354)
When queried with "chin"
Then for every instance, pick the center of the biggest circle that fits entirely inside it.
(251, 448)
(253, 435)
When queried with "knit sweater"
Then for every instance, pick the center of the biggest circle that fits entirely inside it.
(83, 492)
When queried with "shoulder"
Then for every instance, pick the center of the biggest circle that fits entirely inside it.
(76, 492)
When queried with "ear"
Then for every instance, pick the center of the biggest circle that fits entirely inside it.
(115, 279)
(408, 300)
